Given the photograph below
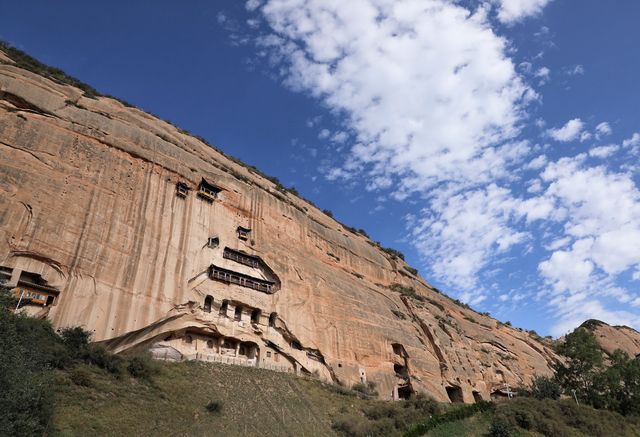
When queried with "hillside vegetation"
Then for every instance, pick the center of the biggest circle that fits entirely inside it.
(62, 385)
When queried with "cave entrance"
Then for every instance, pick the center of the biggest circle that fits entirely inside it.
(207, 304)
(476, 396)
(455, 394)
(255, 316)
(401, 371)
(405, 392)
(223, 307)
(398, 349)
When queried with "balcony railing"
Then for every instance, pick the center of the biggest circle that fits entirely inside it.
(231, 277)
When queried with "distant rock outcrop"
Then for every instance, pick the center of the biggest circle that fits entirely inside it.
(150, 238)
(611, 338)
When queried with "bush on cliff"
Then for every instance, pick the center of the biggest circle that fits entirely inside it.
(559, 419)
(30, 350)
(383, 418)
(26, 402)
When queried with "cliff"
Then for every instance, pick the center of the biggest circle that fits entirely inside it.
(611, 338)
(150, 238)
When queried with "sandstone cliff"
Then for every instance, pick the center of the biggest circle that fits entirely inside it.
(611, 338)
(106, 204)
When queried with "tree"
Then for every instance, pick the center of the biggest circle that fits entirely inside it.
(26, 401)
(583, 362)
(618, 386)
(544, 387)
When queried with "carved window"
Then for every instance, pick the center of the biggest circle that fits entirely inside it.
(272, 319)
(238, 313)
(255, 316)
(223, 307)
(208, 191)
(243, 233)
(213, 242)
(182, 190)
(188, 339)
(208, 301)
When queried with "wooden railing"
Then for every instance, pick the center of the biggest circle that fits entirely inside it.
(232, 277)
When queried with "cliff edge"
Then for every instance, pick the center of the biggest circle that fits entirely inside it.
(120, 222)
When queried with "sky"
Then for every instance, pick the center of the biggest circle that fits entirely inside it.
(495, 143)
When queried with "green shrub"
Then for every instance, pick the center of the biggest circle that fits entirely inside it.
(26, 402)
(544, 387)
(368, 389)
(82, 376)
(459, 413)
(343, 390)
(381, 410)
(565, 418)
(142, 366)
(500, 427)
(358, 426)
(101, 357)
(25, 61)
(406, 291)
(411, 270)
(424, 404)
(76, 339)
(393, 252)
(214, 407)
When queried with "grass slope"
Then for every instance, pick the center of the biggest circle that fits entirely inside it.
(477, 425)
(254, 401)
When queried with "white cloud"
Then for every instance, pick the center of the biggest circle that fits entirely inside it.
(534, 186)
(602, 218)
(577, 70)
(634, 141)
(577, 311)
(603, 129)
(469, 227)
(252, 5)
(557, 244)
(324, 133)
(568, 269)
(543, 74)
(314, 121)
(340, 137)
(427, 87)
(537, 163)
(434, 105)
(603, 151)
(568, 132)
(511, 11)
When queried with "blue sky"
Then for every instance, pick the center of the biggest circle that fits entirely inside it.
(495, 142)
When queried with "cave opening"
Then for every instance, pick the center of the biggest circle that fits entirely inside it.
(405, 392)
(455, 394)
(208, 301)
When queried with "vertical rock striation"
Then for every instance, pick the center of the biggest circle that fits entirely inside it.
(89, 204)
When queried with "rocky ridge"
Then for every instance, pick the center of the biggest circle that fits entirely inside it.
(90, 205)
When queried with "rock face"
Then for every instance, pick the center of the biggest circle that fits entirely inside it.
(240, 271)
(611, 338)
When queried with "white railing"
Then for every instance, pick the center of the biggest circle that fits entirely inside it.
(225, 359)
